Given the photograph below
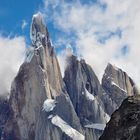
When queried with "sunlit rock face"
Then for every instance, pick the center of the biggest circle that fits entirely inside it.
(118, 84)
(44, 106)
(38, 31)
(125, 122)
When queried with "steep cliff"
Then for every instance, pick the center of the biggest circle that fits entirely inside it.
(40, 106)
(118, 84)
(44, 106)
(125, 122)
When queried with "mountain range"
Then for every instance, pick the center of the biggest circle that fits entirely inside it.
(43, 105)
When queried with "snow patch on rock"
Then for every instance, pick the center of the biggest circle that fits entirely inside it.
(49, 105)
(38, 16)
(107, 117)
(67, 129)
(114, 84)
(97, 126)
(89, 95)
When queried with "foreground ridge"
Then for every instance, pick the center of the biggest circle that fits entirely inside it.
(125, 122)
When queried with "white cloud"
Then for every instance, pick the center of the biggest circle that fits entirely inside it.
(24, 24)
(87, 21)
(12, 52)
(68, 51)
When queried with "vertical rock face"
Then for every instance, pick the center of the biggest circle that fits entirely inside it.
(125, 122)
(83, 87)
(84, 90)
(4, 113)
(118, 84)
(40, 107)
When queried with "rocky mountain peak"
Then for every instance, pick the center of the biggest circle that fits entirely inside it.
(38, 31)
(118, 84)
(84, 90)
(40, 108)
(119, 78)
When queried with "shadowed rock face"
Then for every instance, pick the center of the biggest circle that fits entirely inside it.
(85, 91)
(125, 122)
(4, 113)
(80, 80)
(118, 84)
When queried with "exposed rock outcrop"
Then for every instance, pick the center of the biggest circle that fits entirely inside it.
(4, 113)
(118, 84)
(125, 122)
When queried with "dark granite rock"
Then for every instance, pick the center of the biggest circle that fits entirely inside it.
(125, 122)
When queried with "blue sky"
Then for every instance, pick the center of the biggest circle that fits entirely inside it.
(13, 12)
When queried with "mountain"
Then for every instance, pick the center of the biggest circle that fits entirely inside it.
(125, 122)
(40, 107)
(117, 84)
(44, 106)
(83, 88)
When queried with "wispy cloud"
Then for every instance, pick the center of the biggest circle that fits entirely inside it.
(102, 30)
(11, 56)
(24, 24)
